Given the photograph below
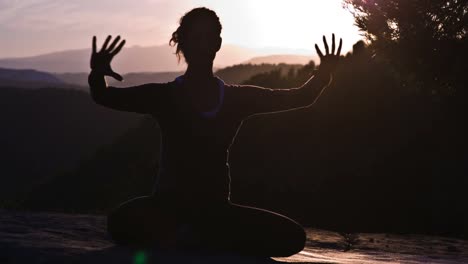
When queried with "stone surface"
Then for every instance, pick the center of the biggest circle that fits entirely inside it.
(27, 237)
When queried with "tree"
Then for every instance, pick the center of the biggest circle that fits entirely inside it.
(424, 41)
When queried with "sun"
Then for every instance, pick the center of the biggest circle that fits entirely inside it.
(298, 24)
(289, 25)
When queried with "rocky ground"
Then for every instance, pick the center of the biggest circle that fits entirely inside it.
(27, 237)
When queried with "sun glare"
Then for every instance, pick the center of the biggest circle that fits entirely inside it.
(293, 25)
(272, 26)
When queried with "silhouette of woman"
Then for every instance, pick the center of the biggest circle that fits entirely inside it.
(199, 116)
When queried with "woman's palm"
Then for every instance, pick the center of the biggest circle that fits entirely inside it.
(100, 61)
(329, 61)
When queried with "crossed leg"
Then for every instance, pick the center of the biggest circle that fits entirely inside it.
(231, 227)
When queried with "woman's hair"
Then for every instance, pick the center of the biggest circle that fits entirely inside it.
(194, 15)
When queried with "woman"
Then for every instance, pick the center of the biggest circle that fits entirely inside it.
(199, 116)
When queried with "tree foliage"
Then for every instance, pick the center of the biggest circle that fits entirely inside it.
(425, 41)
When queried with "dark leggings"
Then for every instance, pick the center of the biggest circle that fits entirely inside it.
(226, 227)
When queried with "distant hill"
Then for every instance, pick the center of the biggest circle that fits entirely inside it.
(288, 59)
(130, 79)
(115, 173)
(27, 78)
(145, 59)
(19, 78)
(238, 74)
(131, 59)
(49, 130)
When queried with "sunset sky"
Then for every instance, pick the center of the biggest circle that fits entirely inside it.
(32, 27)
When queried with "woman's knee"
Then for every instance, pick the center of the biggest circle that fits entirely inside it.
(126, 221)
(296, 240)
(290, 237)
(271, 234)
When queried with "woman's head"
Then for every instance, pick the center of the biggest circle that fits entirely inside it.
(198, 36)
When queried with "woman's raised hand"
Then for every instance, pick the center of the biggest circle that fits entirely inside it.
(100, 61)
(329, 61)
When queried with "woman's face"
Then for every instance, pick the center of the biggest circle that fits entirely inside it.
(201, 43)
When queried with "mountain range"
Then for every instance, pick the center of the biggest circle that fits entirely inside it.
(33, 79)
(145, 59)
(27, 78)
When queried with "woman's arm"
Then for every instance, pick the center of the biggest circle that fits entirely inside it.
(142, 99)
(139, 99)
(259, 100)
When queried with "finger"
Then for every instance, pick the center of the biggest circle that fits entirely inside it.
(94, 44)
(104, 46)
(319, 52)
(339, 48)
(333, 44)
(112, 46)
(327, 51)
(116, 76)
(119, 47)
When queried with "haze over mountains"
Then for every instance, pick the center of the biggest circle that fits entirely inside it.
(145, 59)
